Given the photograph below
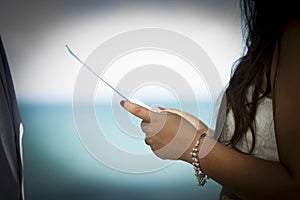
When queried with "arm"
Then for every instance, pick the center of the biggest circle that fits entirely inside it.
(256, 178)
(248, 176)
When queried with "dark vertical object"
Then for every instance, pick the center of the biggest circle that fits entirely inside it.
(10, 157)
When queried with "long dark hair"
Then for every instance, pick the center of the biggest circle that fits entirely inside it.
(263, 22)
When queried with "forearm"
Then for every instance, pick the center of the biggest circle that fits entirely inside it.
(248, 176)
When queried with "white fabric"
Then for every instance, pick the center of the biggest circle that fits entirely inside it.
(265, 147)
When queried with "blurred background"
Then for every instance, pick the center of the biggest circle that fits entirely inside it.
(34, 33)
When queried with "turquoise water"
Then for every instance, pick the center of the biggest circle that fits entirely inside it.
(58, 167)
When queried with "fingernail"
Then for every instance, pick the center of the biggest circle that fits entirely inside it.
(122, 103)
(161, 108)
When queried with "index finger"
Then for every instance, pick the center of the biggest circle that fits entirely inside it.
(137, 110)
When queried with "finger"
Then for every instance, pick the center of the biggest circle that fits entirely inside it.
(137, 110)
(144, 126)
(198, 124)
(180, 113)
(152, 128)
(146, 141)
(144, 123)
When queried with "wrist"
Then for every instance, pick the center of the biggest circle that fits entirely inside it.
(187, 154)
(201, 177)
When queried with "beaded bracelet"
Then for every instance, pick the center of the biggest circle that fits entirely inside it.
(201, 177)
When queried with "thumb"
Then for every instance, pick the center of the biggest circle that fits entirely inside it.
(197, 124)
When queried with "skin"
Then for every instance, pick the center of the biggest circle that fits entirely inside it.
(249, 177)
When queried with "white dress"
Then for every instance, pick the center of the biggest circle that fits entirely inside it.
(265, 146)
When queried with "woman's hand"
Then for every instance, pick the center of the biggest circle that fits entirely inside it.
(198, 124)
(171, 134)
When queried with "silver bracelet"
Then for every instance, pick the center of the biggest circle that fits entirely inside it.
(201, 177)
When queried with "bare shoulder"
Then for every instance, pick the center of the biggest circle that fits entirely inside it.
(292, 29)
(290, 47)
(286, 99)
(286, 59)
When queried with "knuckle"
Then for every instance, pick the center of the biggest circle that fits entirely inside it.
(144, 124)
(149, 140)
(136, 109)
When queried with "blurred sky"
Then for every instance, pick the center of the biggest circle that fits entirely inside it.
(34, 33)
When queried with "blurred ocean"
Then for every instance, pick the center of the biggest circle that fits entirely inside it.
(58, 167)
